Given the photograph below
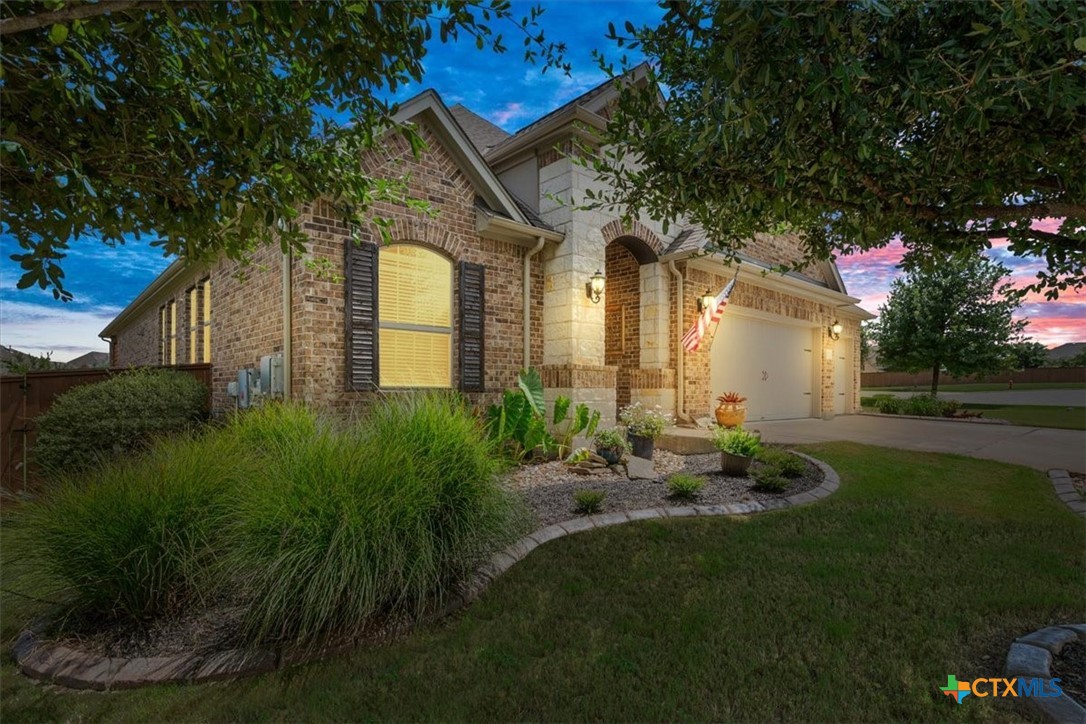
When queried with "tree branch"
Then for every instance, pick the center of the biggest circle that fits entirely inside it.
(22, 23)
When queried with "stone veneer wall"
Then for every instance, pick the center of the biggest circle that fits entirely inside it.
(750, 296)
(247, 313)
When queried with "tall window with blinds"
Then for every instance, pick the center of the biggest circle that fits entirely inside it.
(199, 311)
(414, 317)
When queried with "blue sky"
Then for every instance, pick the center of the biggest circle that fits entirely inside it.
(502, 88)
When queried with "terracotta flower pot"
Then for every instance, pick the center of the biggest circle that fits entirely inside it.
(730, 415)
(736, 465)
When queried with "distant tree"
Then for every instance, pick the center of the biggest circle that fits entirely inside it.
(1027, 355)
(1079, 360)
(208, 123)
(865, 343)
(21, 363)
(944, 124)
(955, 315)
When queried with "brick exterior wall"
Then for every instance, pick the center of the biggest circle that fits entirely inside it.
(622, 335)
(247, 315)
(697, 391)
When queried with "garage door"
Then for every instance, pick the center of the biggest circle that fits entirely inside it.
(771, 364)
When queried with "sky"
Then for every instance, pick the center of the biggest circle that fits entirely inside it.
(501, 88)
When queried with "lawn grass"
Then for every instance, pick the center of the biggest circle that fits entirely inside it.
(1066, 418)
(853, 609)
(983, 387)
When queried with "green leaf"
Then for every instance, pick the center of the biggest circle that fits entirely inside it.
(561, 409)
(58, 33)
(532, 386)
(1080, 44)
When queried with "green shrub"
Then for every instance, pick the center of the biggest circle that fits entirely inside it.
(612, 438)
(788, 465)
(117, 416)
(769, 478)
(588, 502)
(889, 405)
(139, 538)
(684, 486)
(736, 441)
(383, 517)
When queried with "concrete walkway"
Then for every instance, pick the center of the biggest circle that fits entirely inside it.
(1035, 447)
(1062, 398)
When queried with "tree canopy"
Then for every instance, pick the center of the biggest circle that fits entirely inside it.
(948, 124)
(954, 315)
(207, 123)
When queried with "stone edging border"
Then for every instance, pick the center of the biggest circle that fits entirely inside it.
(1065, 491)
(973, 420)
(67, 667)
(1031, 656)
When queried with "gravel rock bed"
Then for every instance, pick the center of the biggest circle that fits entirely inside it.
(548, 488)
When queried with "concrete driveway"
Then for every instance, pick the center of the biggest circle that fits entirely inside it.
(1062, 398)
(1035, 447)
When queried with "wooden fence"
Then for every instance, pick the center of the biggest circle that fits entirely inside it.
(870, 380)
(23, 398)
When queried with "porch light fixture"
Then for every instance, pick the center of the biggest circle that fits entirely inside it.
(594, 288)
(835, 330)
(705, 301)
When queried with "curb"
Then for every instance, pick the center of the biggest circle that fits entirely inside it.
(1031, 656)
(67, 667)
(1065, 491)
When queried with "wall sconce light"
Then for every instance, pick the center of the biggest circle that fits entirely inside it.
(594, 288)
(835, 330)
(705, 301)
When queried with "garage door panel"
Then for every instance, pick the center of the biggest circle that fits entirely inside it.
(770, 363)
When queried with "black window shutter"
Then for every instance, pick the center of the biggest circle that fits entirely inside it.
(472, 317)
(361, 268)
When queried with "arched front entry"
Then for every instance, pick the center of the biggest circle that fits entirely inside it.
(624, 257)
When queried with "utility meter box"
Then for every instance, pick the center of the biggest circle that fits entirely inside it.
(271, 375)
(246, 378)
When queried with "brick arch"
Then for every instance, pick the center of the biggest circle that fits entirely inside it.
(427, 233)
(615, 230)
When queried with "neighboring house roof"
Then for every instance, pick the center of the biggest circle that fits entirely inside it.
(89, 360)
(482, 133)
(1065, 351)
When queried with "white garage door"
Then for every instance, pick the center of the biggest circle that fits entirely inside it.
(770, 364)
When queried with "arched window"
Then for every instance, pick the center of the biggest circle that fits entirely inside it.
(414, 317)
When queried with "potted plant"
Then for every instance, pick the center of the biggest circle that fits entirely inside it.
(731, 412)
(611, 445)
(737, 449)
(643, 425)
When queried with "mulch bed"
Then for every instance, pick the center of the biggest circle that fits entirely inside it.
(550, 491)
(1070, 668)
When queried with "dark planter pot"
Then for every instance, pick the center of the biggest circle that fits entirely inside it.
(736, 465)
(642, 446)
(611, 454)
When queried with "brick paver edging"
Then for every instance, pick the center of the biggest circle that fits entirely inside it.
(1065, 491)
(1031, 657)
(64, 666)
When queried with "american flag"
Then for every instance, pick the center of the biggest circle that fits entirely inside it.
(709, 315)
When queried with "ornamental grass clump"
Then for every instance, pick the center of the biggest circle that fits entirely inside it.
(684, 486)
(383, 517)
(735, 441)
(139, 538)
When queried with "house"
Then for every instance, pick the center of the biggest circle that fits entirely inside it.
(500, 279)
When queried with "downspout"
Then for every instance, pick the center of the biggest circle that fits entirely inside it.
(288, 320)
(527, 319)
(680, 377)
